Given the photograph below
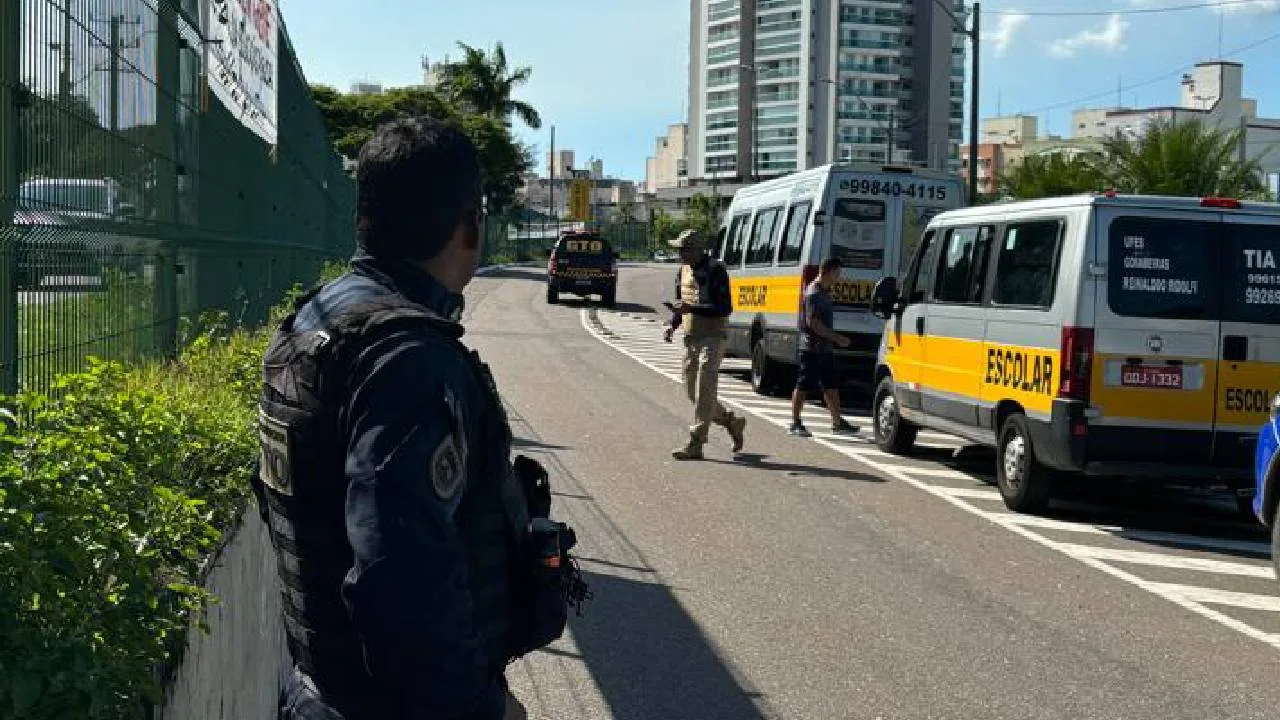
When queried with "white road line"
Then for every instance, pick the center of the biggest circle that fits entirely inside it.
(971, 493)
(1211, 596)
(1176, 562)
(1022, 524)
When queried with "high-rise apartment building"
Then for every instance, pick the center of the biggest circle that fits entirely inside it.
(783, 85)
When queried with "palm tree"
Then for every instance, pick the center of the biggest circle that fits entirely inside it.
(1051, 175)
(1187, 159)
(485, 83)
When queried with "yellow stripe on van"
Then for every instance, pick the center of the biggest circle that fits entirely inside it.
(1245, 392)
(1186, 405)
(781, 293)
(987, 373)
(766, 293)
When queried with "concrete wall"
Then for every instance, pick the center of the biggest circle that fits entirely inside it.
(235, 671)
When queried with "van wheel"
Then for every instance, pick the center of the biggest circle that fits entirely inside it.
(553, 295)
(766, 375)
(1025, 484)
(893, 434)
(1244, 504)
(609, 298)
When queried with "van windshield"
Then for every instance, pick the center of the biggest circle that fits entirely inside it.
(857, 233)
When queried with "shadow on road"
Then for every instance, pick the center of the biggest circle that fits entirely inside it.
(533, 445)
(630, 307)
(759, 462)
(518, 273)
(650, 660)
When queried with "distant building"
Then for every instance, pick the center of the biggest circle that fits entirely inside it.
(777, 86)
(668, 168)
(433, 72)
(561, 162)
(1214, 94)
(366, 88)
(1010, 130)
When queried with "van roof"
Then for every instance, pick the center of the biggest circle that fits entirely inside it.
(784, 181)
(1153, 202)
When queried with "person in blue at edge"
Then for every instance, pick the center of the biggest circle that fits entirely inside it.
(391, 522)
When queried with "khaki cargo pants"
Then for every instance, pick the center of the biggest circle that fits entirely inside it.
(702, 358)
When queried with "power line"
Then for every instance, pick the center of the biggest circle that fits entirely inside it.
(1149, 81)
(1134, 11)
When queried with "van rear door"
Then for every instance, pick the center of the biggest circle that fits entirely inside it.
(1249, 374)
(1157, 335)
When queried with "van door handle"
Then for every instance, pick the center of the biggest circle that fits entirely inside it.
(1235, 348)
(920, 325)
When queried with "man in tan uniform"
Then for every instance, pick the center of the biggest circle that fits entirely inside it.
(702, 309)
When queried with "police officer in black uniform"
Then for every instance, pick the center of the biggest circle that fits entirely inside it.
(401, 525)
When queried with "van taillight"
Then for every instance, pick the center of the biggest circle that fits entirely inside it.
(551, 265)
(1077, 363)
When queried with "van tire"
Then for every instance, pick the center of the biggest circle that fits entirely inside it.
(766, 373)
(553, 295)
(1024, 483)
(1275, 545)
(609, 298)
(893, 434)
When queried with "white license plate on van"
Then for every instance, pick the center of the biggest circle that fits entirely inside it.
(1152, 376)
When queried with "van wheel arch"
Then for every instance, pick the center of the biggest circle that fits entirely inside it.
(1004, 409)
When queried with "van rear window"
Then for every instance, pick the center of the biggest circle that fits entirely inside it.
(584, 245)
(1253, 287)
(1163, 268)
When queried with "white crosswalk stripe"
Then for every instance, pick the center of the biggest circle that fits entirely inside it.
(1122, 553)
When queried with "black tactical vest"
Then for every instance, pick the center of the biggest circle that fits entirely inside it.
(302, 490)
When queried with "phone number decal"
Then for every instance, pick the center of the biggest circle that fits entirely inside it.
(895, 188)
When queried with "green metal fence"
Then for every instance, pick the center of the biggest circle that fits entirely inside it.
(131, 197)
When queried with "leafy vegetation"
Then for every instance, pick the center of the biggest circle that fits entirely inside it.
(476, 93)
(1185, 159)
(115, 489)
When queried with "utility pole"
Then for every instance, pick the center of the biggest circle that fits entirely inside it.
(889, 145)
(551, 161)
(64, 79)
(974, 35)
(113, 57)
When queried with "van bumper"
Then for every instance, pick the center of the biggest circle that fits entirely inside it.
(1068, 443)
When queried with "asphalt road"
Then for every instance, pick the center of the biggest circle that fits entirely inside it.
(822, 579)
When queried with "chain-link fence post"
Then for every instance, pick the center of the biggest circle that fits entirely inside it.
(164, 295)
(11, 99)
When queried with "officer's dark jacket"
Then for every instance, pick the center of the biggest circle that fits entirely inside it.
(713, 287)
(423, 539)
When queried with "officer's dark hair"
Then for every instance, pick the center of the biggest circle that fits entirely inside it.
(417, 179)
(831, 264)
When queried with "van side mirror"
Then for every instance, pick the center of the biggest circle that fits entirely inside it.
(820, 218)
(884, 299)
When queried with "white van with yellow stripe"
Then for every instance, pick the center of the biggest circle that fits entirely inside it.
(777, 233)
(1118, 336)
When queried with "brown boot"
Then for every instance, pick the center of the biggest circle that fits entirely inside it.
(691, 451)
(737, 430)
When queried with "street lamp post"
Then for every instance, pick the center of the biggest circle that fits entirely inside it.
(755, 121)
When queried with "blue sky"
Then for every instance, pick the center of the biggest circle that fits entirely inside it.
(612, 74)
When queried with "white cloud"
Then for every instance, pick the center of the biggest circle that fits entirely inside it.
(1108, 37)
(1008, 26)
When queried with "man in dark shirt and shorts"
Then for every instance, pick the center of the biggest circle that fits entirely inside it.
(817, 354)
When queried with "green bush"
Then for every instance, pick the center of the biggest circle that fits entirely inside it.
(116, 487)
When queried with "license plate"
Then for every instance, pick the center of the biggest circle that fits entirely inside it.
(1152, 376)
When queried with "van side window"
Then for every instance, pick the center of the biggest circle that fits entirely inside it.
(1028, 257)
(919, 279)
(793, 240)
(718, 251)
(736, 241)
(762, 235)
(962, 266)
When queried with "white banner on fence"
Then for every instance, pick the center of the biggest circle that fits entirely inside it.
(243, 68)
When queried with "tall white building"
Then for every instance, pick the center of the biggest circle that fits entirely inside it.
(808, 82)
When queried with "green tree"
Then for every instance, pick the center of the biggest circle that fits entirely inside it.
(350, 121)
(665, 228)
(1181, 158)
(702, 215)
(485, 83)
(1039, 176)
